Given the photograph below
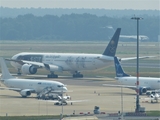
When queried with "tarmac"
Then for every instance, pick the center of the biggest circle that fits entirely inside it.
(108, 99)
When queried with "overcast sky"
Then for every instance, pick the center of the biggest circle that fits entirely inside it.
(106, 4)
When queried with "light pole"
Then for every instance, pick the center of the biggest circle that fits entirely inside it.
(121, 103)
(137, 98)
(62, 103)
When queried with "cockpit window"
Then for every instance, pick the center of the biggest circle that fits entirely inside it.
(39, 83)
(60, 85)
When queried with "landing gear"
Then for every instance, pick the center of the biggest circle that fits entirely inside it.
(19, 72)
(52, 75)
(77, 75)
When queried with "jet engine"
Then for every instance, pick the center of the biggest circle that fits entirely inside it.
(25, 93)
(28, 69)
(142, 90)
(53, 68)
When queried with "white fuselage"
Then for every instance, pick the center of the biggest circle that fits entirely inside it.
(152, 83)
(36, 85)
(67, 61)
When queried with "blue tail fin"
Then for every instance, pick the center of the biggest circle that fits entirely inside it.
(112, 46)
(119, 69)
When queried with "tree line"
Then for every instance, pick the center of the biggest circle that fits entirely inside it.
(14, 12)
(74, 27)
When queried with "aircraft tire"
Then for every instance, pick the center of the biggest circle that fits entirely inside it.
(52, 76)
(140, 93)
(81, 75)
(77, 76)
(19, 74)
(74, 75)
(24, 96)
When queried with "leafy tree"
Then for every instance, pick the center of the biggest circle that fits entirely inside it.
(74, 27)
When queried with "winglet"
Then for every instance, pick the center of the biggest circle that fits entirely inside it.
(112, 46)
(5, 73)
(119, 69)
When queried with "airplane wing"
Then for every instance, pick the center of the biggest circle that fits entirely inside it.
(126, 86)
(123, 86)
(74, 101)
(49, 67)
(5, 88)
(18, 61)
(16, 89)
(149, 98)
(68, 101)
(104, 59)
(133, 58)
(54, 101)
(38, 64)
(152, 98)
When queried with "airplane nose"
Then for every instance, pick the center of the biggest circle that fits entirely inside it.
(15, 64)
(65, 89)
(15, 57)
(12, 62)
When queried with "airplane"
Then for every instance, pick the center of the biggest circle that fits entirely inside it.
(27, 86)
(127, 81)
(153, 96)
(134, 37)
(128, 37)
(28, 62)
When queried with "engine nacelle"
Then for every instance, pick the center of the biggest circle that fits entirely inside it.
(53, 67)
(25, 93)
(28, 69)
(142, 90)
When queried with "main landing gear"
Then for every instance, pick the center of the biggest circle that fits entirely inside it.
(77, 75)
(52, 75)
(19, 72)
